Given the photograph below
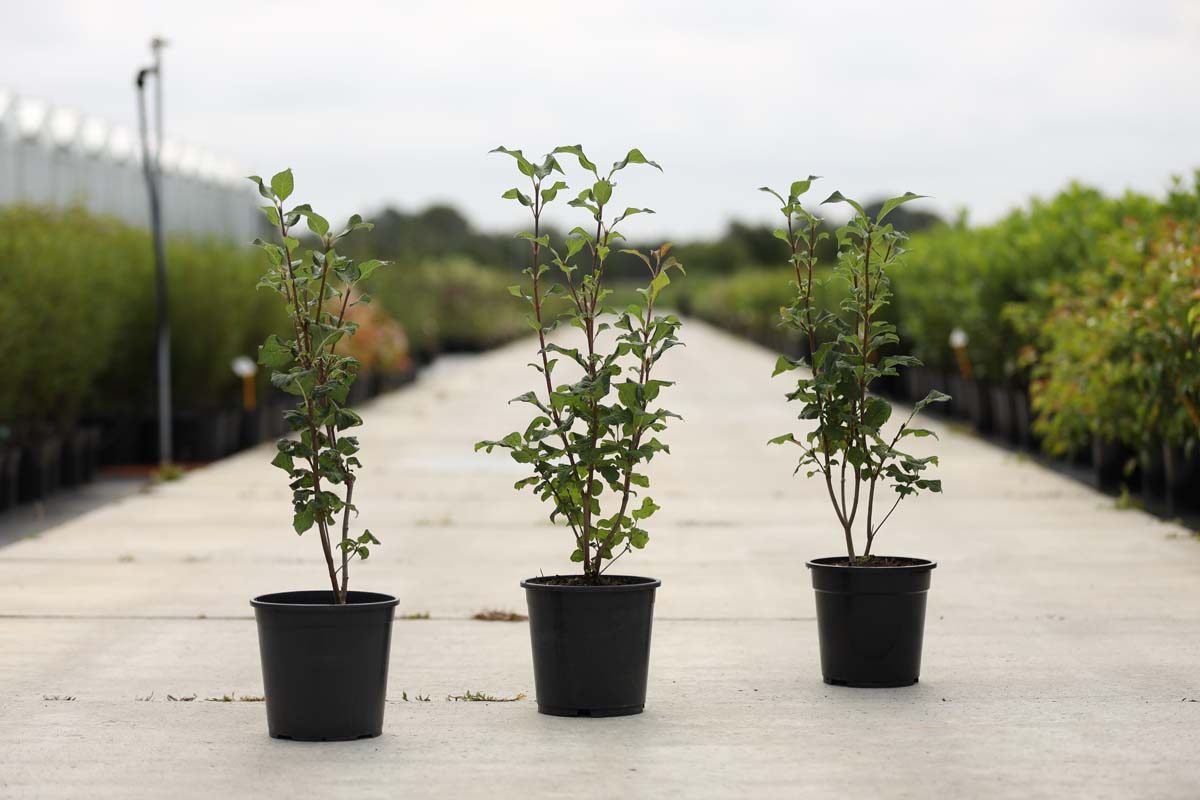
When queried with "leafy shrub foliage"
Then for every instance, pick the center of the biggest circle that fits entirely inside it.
(848, 447)
(1117, 355)
(69, 277)
(317, 289)
(590, 436)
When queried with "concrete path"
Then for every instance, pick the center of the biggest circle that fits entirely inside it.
(1062, 653)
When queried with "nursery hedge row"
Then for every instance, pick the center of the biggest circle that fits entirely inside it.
(77, 319)
(1084, 301)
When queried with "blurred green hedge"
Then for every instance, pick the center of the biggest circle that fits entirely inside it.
(1068, 297)
(77, 313)
(449, 305)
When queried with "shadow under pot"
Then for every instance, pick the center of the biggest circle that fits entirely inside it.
(324, 665)
(871, 620)
(591, 643)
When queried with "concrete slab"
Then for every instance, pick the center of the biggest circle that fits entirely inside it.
(1061, 646)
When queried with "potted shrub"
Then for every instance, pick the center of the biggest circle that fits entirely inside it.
(870, 607)
(595, 426)
(324, 652)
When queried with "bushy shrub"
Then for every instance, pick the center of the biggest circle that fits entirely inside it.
(215, 316)
(962, 277)
(748, 303)
(78, 319)
(449, 305)
(1117, 354)
(62, 275)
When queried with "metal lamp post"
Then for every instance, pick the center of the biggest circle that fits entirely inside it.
(152, 169)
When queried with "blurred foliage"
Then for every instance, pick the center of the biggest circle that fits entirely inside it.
(1116, 356)
(963, 277)
(1090, 299)
(61, 280)
(449, 304)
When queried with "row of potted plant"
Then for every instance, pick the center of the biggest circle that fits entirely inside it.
(65, 410)
(988, 311)
(596, 425)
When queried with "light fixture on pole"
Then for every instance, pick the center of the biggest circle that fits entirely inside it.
(152, 169)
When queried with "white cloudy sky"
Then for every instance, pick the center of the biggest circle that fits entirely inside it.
(980, 104)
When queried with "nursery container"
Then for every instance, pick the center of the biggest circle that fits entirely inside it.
(871, 620)
(591, 644)
(41, 469)
(1004, 423)
(10, 471)
(1108, 463)
(324, 665)
(1023, 420)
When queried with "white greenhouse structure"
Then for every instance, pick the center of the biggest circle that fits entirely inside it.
(56, 157)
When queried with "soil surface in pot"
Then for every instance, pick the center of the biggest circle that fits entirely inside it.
(580, 580)
(879, 561)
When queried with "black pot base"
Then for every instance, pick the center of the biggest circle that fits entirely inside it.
(865, 685)
(621, 711)
(284, 737)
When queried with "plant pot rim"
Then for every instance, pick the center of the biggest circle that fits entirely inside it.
(291, 601)
(641, 584)
(826, 562)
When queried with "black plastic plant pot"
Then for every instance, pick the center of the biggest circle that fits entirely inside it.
(324, 665)
(871, 621)
(591, 644)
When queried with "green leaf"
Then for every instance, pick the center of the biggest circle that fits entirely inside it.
(282, 184)
(838, 197)
(785, 364)
(771, 191)
(316, 223)
(800, 187)
(602, 191)
(551, 192)
(660, 282)
(262, 189)
(367, 267)
(934, 396)
(303, 520)
(892, 202)
(523, 163)
(274, 353)
(628, 394)
(634, 157)
(876, 412)
(577, 151)
(647, 508)
(518, 195)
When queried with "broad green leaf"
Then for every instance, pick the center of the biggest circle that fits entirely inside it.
(577, 151)
(660, 282)
(800, 187)
(838, 197)
(634, 157)
(892, 202)
(274, 353)
(602, 191)
(282, 184)
(523, 163)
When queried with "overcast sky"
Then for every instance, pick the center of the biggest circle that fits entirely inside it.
(979, 104)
